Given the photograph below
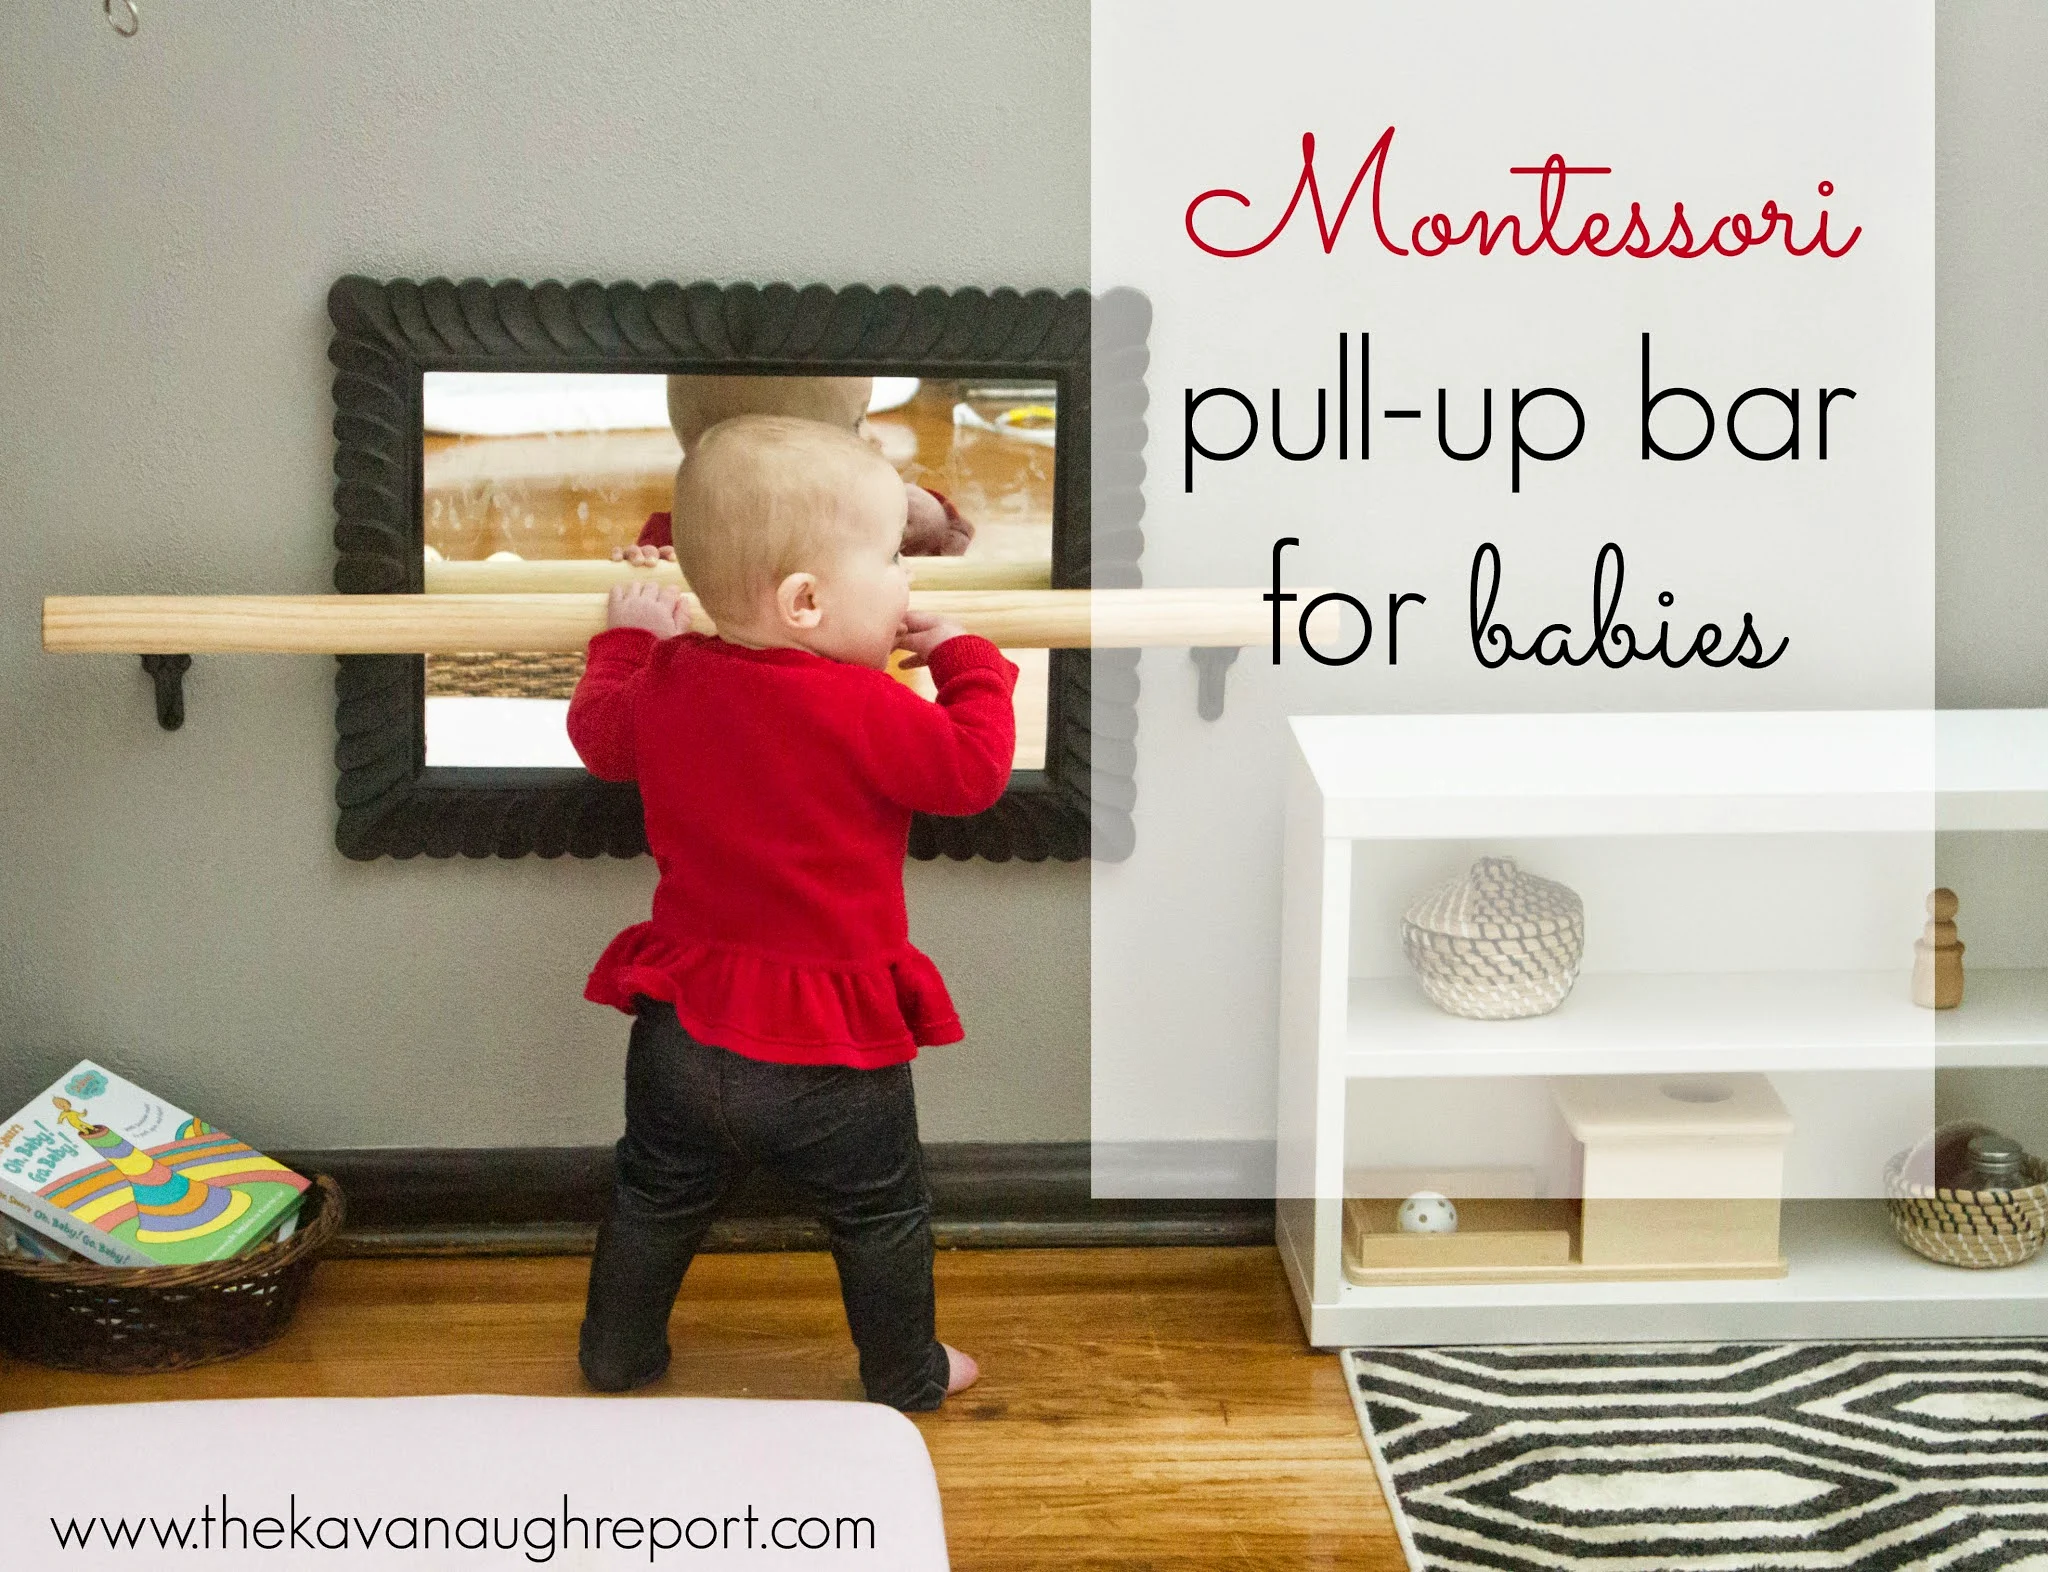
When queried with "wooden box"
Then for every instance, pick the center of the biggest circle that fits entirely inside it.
(1678, 1171)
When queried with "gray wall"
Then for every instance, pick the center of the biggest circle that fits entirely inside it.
(1991, 327)
(174, 210)
(1991, 209)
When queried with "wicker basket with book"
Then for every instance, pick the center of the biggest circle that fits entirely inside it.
(76, 1315)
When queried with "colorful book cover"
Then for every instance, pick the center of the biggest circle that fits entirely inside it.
(123, 1177)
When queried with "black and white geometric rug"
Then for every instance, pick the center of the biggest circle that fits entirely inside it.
(1672, 1457)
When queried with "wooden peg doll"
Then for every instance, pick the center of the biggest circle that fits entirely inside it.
(1938, 956)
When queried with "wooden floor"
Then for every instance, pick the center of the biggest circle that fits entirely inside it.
(1150, 1409)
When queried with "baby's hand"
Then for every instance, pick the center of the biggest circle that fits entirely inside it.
(933, 529)
(643, 556)
(658, 608)
(924, 631)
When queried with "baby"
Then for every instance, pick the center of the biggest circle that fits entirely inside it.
(933, 528)
(776, 996)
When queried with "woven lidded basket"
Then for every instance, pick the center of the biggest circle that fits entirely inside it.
(1496, 944)
(1975, 1228)
(129, 1319)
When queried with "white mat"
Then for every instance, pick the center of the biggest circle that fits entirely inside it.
(521, 403)
(483, 1482)
(469, 731)
(518, 403)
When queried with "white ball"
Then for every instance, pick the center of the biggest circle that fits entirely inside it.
(1427, 1212)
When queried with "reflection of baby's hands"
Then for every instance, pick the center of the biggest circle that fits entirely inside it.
(658, 608)
(643, 556)
(924, 631)
(933, 529)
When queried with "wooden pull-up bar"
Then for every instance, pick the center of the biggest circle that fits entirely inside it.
(461, 624)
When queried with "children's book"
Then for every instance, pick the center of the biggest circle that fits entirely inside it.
(25, 1244)
(106, 1169)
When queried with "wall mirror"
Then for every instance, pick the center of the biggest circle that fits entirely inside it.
(512, 438)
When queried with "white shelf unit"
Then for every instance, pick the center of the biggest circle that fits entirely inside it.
(1369, 782)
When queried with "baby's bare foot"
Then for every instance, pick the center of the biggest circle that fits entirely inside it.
(961, 1371)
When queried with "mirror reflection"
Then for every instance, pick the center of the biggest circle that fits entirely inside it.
(546, 481)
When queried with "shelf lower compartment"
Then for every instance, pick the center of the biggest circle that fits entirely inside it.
(1847, 1277)
(1630, 1023)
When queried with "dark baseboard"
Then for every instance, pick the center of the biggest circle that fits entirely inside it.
(544, 1200)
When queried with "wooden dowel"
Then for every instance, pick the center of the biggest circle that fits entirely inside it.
(586, 576)
(481, 624)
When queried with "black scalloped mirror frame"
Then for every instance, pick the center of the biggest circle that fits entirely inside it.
(388, 334)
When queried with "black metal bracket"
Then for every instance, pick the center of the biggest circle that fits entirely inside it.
(168, 673)
(1211, 665)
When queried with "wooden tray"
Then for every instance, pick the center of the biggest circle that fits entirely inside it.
(1492, 1232)
(1501, 1241)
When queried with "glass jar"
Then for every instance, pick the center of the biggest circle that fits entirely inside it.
(1992, 1162)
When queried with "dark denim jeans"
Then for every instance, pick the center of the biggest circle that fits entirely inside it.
(697, 1118)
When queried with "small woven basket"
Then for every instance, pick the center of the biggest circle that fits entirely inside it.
(1497, 944)
(130, 1319)
(1974, 1228)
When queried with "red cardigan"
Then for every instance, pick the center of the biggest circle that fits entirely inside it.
(778, 787)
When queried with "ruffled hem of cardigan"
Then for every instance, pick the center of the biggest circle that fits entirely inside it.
(787, 1012)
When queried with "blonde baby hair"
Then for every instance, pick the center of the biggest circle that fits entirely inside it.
(697, 403)
(762, 497)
